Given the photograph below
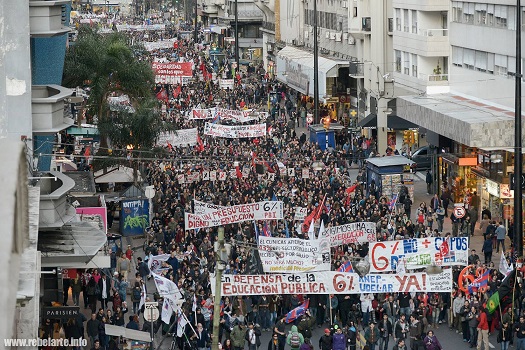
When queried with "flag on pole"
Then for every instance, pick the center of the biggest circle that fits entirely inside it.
(321, 231)
(311, 232)
(181, 324)
(346, 267)
(297, 312)
(313, 216)
(266, 230)
(480, 282)
(392, 203)
(256, 231)
(142, 296)
(504, 268)
(493, 302)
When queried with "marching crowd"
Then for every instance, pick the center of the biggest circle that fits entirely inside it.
(374, 320)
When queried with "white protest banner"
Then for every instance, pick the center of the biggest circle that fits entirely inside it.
(267, 210)
(200, 114)
(300, 213)
(237, 115)
(161, 44)
(200, 208)
(226, 84)
(333, 282)
(294, 254)
(355, 232)
(234, 132)
(155, 262)
(179, 138)
(418, 253)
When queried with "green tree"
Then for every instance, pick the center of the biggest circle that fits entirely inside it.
(106, 64)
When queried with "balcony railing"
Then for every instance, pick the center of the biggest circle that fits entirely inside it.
(433, 32)
(434, 77)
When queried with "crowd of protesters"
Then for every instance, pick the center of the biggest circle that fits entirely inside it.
(407, 318)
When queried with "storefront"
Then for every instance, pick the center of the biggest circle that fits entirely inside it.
(455, 173)
(497, 198)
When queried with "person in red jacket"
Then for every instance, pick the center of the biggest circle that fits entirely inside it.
(483, 329)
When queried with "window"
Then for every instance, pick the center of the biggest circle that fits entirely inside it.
(481, 61)
(398, 20)
(469, 58)
(397, 55)
(406, 63)
(490, 63)
(500, 12)
(490, 15)
(468, 12)
(414, 65)
(457, 11)
(481, 14)
(511, 65)
(405, 21)
(500, 65)
(457, 56)
(511, 17)
(414, 21)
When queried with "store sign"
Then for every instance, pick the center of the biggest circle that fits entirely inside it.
(492, 187)
(60, 312)
(505, 191)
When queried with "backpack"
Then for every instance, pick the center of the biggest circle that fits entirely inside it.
(137, 294)
(295, 341)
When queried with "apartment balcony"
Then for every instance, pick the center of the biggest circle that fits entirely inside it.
(47, 104)
(429, 83)
(424, 42)
(54, 210)
(360, 27)
(356, 70)
(422, 5)
(47, 18)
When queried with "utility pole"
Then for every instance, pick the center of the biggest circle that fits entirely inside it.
(316, 69)
(237, 37)
(219, 267)
(518, 159)
(195, 35)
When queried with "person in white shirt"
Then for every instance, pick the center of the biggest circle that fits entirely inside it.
(366, 307)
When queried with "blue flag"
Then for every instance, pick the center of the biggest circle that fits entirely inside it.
(297, 312)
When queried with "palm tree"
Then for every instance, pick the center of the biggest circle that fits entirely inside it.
(106, 64)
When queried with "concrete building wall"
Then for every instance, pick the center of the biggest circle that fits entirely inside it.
(15, 66)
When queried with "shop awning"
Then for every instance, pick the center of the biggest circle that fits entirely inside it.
(327, 66)
(295, 67)
(75, 242)
(119, 174)
(392, 122)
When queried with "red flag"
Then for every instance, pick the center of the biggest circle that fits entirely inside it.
(200, 144)
(314, 215)
(351, 189)
(177, 91)
(238, 172)
(162, 95)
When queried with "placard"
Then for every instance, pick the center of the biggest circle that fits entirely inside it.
(300, 213)
(267, 210)
(200, 208)
(178, 138)
(294, 254)
(236, 131)
(332, 282)
(418, 253)
(355, 232)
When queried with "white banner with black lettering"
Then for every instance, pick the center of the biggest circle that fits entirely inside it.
(200, 208)
(236, 131)
(267, 210)
(418, 253)
(300, 213)
(332, 282)
(294, 254)
(178, 138)
(355, 232)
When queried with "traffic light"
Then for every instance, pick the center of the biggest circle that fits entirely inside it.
(326, 122)
(412, 137)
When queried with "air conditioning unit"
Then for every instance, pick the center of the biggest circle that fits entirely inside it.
(344, 4)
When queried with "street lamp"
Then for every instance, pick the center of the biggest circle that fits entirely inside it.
(222, 253)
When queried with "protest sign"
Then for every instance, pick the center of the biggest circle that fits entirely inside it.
(200, 208)
(179, 138)
(155, 262)
(355, 232)
(418, 253)
(294, 254)
(172, 72)
(300, 213)
(333, 282)
(226, 84)
(200, 114)
(234, 132)
(267, 210)
(161, 44)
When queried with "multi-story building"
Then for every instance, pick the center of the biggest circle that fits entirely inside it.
(32, 104)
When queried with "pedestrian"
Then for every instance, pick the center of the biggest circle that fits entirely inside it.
(487, 249)
(504, 336)
(294, 339)
(473, 322)
(415, 333)
(92, 329)
(252, 336)
(400, 345)
(325, 342)
(273, 344)
(123, 266)
(429, 180)
(238, 336)
(371, 336)
(483, 330)
(338, 339)
(431, 342)
(501, 233)
(385, 331)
